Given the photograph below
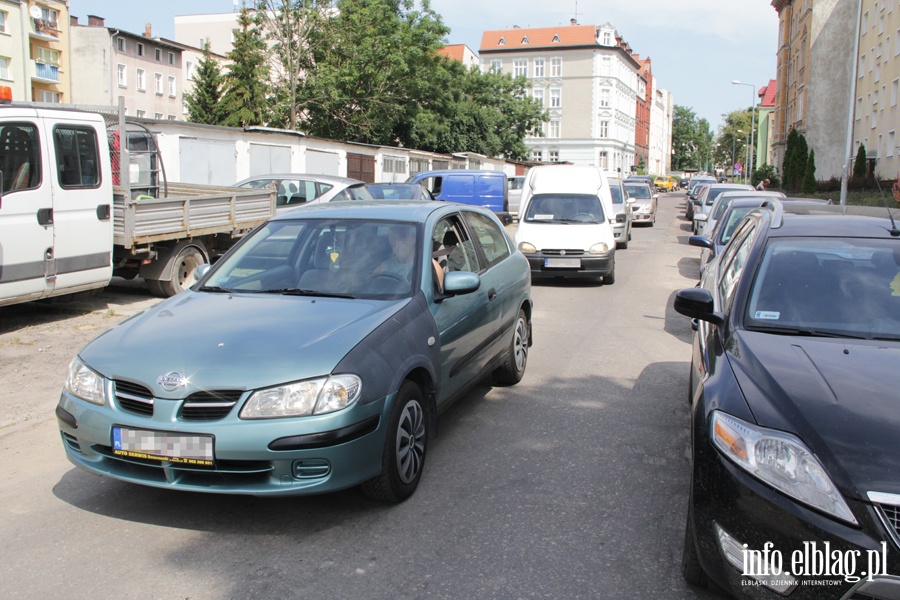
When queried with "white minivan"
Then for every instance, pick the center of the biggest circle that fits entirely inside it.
(566, 220)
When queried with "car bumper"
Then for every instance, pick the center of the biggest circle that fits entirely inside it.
(642, 217)
(727, 499)
(290, 456)
(588, 266)
(619, 230)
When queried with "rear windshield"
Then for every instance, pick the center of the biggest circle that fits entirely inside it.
(564, 208)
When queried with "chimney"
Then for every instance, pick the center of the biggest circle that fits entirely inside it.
(73, 21)
(95, 21)
(516, 27)
(148, 31)
(573, 21)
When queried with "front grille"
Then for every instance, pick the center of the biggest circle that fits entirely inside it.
(209, 405)
(555, 252)
(71, 441)
(890, 515)
(134, 397)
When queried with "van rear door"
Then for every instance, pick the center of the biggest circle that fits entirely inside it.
(26, 210)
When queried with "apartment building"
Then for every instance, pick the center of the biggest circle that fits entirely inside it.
(662, 111)
(111, 63)
(642, 112)
(461, 53)
(588, 81)
(877, 116)
(34, 50)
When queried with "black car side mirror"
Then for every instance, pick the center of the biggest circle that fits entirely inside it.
(701, 242)
(697, 303)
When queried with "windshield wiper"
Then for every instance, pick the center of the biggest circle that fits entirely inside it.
(299, 292)
(214, 289)
(807, 332)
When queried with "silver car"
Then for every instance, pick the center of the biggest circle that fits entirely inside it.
(295, 189)
(644, 208)
(622, 205)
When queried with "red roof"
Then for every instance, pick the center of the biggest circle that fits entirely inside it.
(767, 94)
(545, 37)
(453, 51)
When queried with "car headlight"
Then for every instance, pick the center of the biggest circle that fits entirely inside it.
(84, 383)
(600, 248)
(526, 248)
(780, 460)
(303, 398)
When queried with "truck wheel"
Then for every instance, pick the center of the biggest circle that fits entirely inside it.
(183, 268)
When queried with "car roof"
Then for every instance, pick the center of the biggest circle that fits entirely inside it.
(807, 219)
(443, 172)
(335, 179)
(387, 210)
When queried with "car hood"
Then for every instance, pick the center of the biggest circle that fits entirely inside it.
(839, 396)
(564, 236)
(235, 342)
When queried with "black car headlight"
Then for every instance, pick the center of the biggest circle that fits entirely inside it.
(780, 460)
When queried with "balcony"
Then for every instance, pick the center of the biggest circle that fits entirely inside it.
(45, 29)
(46, 73)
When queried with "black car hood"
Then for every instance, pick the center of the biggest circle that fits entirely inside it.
(841, 397)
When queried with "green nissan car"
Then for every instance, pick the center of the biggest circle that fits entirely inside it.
(313, 357)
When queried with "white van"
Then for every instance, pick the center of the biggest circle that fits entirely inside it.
(566, 222)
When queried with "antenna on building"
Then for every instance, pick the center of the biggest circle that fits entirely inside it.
(577, 14)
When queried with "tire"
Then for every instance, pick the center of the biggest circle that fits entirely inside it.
(622, 245)
(183, 268)
(629, 234)
(611, 277)
(513, 368)
(691, 569)
(403, 459)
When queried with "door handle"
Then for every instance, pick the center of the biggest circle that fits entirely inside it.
(45, 216)
(103, 212)
(492, 294)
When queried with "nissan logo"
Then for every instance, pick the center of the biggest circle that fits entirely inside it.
(171, 381)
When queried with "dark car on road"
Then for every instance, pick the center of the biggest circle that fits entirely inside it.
(795, 409)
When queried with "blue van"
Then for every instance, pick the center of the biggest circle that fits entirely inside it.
(476, 188)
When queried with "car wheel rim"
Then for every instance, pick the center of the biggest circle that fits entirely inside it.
(410, 441)
(520, 344)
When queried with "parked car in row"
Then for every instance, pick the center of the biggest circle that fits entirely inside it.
(622, 204)
(665, 183)
(514, 191)
(707, 197)
(645, 202)
(566, 223)
(724, 200)
(793, 399)
(487, 189)
(399, 191)
(294, 189)
(313, 357)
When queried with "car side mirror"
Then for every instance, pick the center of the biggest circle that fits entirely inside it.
(461, 282)
(201, 271)
(629, 201)
(700, 216)
(697, 303)
(701, 242)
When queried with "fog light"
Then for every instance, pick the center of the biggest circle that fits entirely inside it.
(313, 468)
(765, 566)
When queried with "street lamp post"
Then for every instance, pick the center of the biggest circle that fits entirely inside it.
(733, 140)
(752, 122)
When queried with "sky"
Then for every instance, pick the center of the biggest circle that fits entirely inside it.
(698, 47)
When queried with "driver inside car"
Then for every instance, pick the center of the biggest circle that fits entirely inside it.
(403, 253)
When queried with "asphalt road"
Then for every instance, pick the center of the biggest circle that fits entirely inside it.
(572, 484)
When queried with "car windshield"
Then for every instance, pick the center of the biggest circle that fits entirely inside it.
(731, 222)
(397, 191)
(564, 208)
(641, 192)
(828, 286)
(317, 257)
(357, 191)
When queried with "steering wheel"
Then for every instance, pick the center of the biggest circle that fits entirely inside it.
(391, 276)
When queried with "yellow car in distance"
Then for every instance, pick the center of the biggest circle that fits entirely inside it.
(664, 183)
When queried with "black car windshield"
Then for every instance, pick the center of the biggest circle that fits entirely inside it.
(564, 208)
(346, 258)
(828, 286)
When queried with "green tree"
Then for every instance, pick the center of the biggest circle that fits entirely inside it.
(809, 176)
(860, 168)
(733, 139)
(245, 101)
(788, 166)
(691, 139)
(204, 102)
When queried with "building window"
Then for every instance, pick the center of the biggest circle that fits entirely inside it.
(525, 41)
(51, 16)
(140, 49)
(604, 129)
(891, 144)
(158, 83)
(539, 95)
(48, 56)
(158, 54)
(537, 155)
(539, 67)
(604, 97)
(121, 75)
(4, 68)
(859, 108)
(520, 68)
(496, 66)
(606, 65)
(171, 58)
(394, 164)
(172, 88)
(141, 80)
(554, 129)
(158, 116)
(555, 98)
(3, 16)
(189, 70)
(554, 155)
(54, 97)
(170, 117)
(120, 44)
(895, 90)
(141, 113)
(604, 160)
(556, 67)
(607, 38)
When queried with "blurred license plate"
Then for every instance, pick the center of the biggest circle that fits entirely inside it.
(193, 450)
(562, 262)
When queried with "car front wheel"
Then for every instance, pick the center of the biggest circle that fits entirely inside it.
(404, 449)
(513, 368)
